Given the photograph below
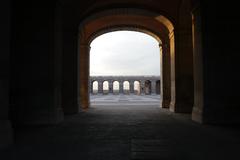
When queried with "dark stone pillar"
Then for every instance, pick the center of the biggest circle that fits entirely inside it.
(100, 87)
(131, 83)
(216, 66)
(6, 131)
(35, 86)
(165, 76)
(198, 66)
(120, 87)
(153, 87)
(158, 87)
(182, 62)
(110, 83)
(90, 87)
(142, 87)
(84, 75)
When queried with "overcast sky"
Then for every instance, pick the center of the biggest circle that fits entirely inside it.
(124, 53)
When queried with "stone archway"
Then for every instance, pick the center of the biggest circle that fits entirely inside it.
(155, 25)
(176, 79)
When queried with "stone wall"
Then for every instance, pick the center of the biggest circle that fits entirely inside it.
(148, 84)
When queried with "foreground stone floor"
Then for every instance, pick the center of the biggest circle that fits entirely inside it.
(126, 132)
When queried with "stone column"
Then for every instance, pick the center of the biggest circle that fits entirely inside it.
(90, 84)
(6, 131)
(216, 80)
(110, 85)
(182, 71)
(142, 87)
(37, 84)
(165, 80)
(158, 87)
(120, 87)
(100, 87)
(198, 66)
(84, 75)
(131, 83)
(153, 87)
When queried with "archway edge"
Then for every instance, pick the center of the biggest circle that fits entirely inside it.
(156, 25)
(125, 28)
(160, 17)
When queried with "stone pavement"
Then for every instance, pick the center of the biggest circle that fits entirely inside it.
(99, 100)
(118, 132)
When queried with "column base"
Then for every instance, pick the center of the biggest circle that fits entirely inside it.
(197, 115)
(180, 107)
(164, 103)
(6, 134)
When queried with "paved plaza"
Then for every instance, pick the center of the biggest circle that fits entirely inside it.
(139, 132)
(124, 100)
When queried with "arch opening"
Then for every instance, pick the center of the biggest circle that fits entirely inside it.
(139, 61)
(153, 26)
(137, 88)
(115, 87)
(105, 87)
(126, 87)
(95, 87)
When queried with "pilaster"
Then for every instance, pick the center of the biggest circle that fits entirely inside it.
(131, 83)
(84, 50)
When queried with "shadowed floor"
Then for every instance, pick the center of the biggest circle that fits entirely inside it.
(126, 133)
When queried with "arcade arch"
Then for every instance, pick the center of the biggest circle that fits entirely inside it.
(137, 88)
(105, 87)
(127, 84)
(115, 87)
(95, 87)
(126, 87)
(153, 24)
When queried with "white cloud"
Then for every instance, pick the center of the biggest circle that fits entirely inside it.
(124, 53)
